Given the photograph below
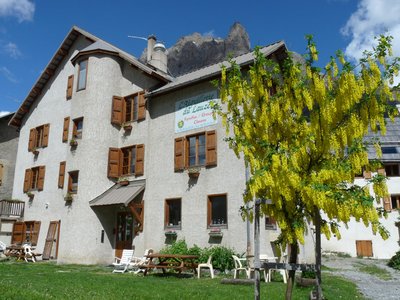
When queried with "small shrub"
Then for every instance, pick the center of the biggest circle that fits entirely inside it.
(394, 262)
(222, 257)
(177, 247)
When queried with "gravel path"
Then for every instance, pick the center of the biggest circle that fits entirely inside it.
(371, 286)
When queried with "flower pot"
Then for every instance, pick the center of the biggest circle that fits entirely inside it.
(306, 282)
(194, 174)
(35, 152)
(123, 182)
(128, 127)
(73, 143)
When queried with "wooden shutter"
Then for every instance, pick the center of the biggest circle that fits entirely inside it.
(65, 130)
(1, 173)
(117, 109)
(35, 233)
(139, 165)
(137, 210)
(46, 129)
(51, 238)
(18, 233)
(386, 203)
(141, 107)
(32, 139)
(211, 148)
(114, 162)
(40, 184)
(179, 154)
(61, 175)
(27, 180)
(70, 85)
(382, 171)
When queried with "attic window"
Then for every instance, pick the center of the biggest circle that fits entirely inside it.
(389, 150)
(82, 75)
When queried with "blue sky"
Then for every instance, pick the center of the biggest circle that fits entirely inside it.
(31, 31)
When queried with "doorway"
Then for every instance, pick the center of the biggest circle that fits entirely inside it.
(124, 234)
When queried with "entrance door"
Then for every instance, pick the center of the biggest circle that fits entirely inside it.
(124, 232)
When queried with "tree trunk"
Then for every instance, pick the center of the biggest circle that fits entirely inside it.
(317, 223)
(256, 260)
(294, 249)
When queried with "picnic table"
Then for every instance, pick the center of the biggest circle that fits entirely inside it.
(170, 261)
(18, 251)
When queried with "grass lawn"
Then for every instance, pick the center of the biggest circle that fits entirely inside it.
(20, 280)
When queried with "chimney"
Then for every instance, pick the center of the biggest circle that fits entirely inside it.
(151, 41)
(159, 57)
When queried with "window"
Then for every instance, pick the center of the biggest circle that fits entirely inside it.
(392, 170)
(38, 137)
(25, 233)
(126, 161)
(128, 109)
(34, 179)
(196, 150)
(196, 147)
(78, 127)
(82, 75)
(389, 150)
(173, 213)
(217, 211)
(73, 182)
(270, 223)
(395, 201)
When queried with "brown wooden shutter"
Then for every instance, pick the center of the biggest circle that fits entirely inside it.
(51, 238)
(70, 85)
(18, 233)
(386, 203)
(117, 109)
(46, 129)
(364, 248)
(1, 173)
(40, 184)
(35, 233)
(137, 210)
(114, 162)
(179, 154)
(141, 107)
(139, 165)
(32, 139)
(61, 175)
(65, 130)
(27, 180)
(211, 148)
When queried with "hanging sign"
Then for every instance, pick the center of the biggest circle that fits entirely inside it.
(195, 112)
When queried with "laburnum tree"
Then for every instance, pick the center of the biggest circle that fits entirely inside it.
(301, 130)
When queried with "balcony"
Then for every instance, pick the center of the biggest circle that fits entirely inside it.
(13, 209)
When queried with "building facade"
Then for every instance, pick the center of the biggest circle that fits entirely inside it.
(116, 154)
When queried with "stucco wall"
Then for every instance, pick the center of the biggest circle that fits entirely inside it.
(8, 153)
(383, 249)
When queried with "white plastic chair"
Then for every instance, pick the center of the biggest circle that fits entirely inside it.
(208, 264)
(28, 254)
(239, 267)
(138, 262)
(121, 264)
(2, 247)
(283, 272)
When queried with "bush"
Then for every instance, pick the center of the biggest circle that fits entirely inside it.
(394, 262)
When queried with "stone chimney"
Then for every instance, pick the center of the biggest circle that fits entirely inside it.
(156, 54)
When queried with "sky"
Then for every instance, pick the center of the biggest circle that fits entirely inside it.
(31, 31)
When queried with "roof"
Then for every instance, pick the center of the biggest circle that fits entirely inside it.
(118, 194)
(62, 52)
(211, 71)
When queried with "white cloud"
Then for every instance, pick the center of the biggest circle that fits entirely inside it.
(4, 113)
(7, 74)
(372, 18)
(23, 10)
(12, 50)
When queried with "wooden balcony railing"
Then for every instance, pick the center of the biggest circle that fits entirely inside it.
(12, 208)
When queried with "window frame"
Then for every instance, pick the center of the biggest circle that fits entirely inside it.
(396, 200)
(77, 133)
(129, 150)
(167, 213)
(78, 86)
(390, 169)
(270, 223)
(73, 187)
(34, 180)
(197, 150)
(209, 211)
(134, 108)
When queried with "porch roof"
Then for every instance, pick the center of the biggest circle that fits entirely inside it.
(118, 194)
